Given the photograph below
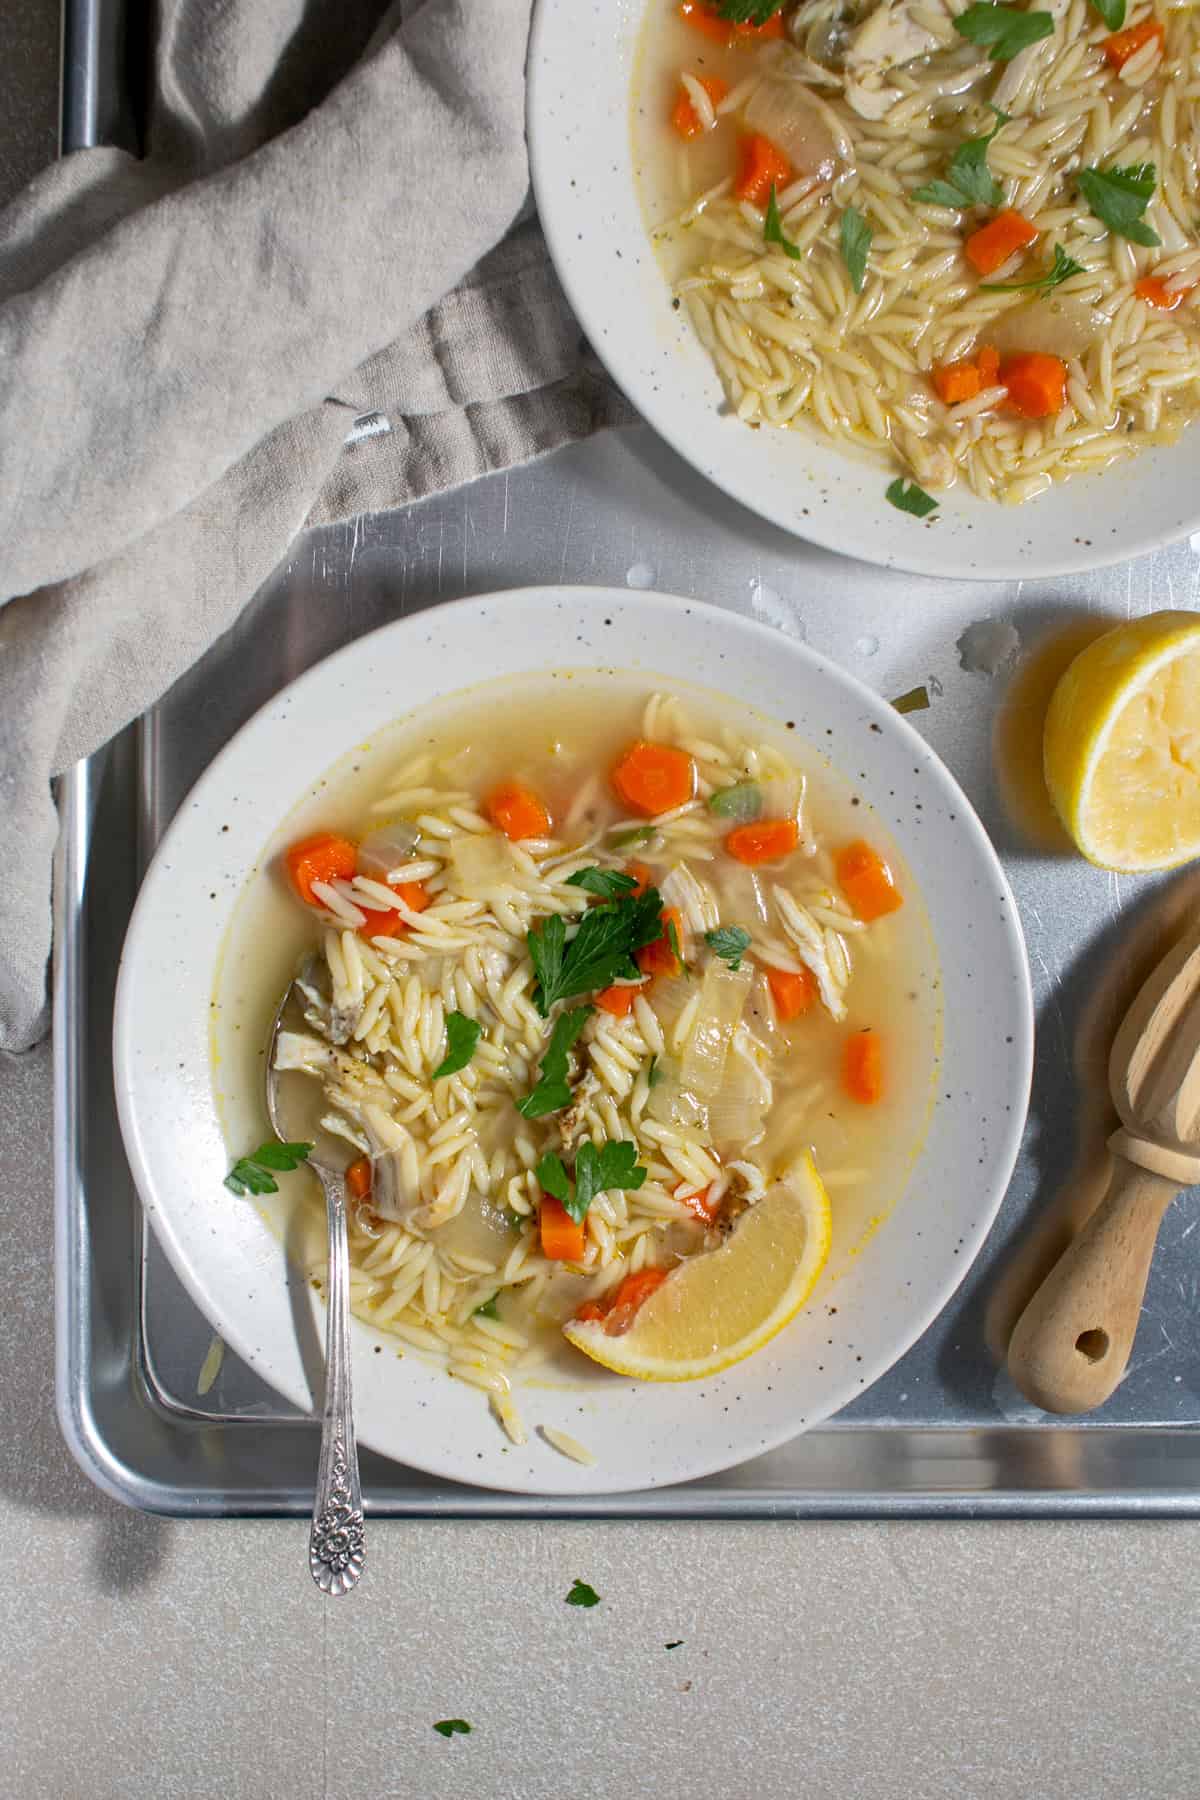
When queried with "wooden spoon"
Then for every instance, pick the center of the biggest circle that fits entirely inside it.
(1072, 1343)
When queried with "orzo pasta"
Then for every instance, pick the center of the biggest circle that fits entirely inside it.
(586, 968)
(965, 236)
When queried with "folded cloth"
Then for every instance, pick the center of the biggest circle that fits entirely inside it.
(330, 221)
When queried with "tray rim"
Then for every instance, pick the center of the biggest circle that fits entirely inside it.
(92, 106)
(1119, 1453)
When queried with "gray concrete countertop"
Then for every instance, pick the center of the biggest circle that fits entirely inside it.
(153, 1660)
(179, 1661)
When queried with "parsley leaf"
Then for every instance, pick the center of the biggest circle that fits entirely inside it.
(654, 1074)
(1061, 269)
(1112, 12)
(1003, 31)
(596, 1171)
(581, 1594)
(448, 1727)
(855, 241)
(915, 700)
(601, 950)
(969, 181)
(553, 1178)
(552, 1093)
(941, 193)
(910, 498)
(1119, 197)
(748, 12)
(773, 229)
(252, 1174)
(462, 1035)
(730, 943)
(634, 834)
(488, 1309)
(610, 884)
(548, 948)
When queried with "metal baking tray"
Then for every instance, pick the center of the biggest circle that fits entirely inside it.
(943, 1433)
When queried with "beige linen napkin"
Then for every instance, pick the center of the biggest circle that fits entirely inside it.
(331, 220)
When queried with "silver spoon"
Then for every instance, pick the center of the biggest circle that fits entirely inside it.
(336, 1544)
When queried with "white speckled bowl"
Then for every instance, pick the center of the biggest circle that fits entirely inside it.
(582, 156)
(886, 1293)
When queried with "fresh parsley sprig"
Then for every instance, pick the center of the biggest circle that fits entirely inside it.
(908, 497)
(600, 952)
(749, 12)
(969, 181)
(730, 943)
(773, 229)
(1060, 270)
(854, 240)
(596, 1172)
(1003, 31)
(610, 884)
(1119, 197)
(552, 1092)
(1112, 12)
(253, 1174)
(462, 1035)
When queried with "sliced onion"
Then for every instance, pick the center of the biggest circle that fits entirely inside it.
(479, 863)
(722, 997)
(663, 1103)
(387, 1196)
(669, 995)
(735, 1116)
(794, 119)
(385, 849)
(1060, 324)
(480, 1229)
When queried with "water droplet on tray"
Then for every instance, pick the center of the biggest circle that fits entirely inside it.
(641, 575)
(987, 645)
(866, 646)
(771, 606)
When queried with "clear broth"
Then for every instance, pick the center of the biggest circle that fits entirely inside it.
(554, 732)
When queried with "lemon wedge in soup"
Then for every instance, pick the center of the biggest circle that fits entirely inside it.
(723, 1304)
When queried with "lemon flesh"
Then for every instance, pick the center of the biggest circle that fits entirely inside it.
(723, 1304)
(1122, 745)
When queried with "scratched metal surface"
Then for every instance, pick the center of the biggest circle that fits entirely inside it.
(941, 1434)
(943, 1431)
(623, 511)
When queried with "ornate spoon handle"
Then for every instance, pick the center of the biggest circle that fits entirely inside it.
(336, 1547)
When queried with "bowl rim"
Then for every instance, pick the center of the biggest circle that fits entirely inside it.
(131, 1078)
(559, 173)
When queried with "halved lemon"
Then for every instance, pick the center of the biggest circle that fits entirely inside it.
(723, 1304)
(1122, 744)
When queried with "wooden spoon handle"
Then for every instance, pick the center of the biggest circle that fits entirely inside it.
(1072, 1343)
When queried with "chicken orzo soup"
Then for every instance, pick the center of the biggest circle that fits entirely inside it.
(965, 236)
(588, 971)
